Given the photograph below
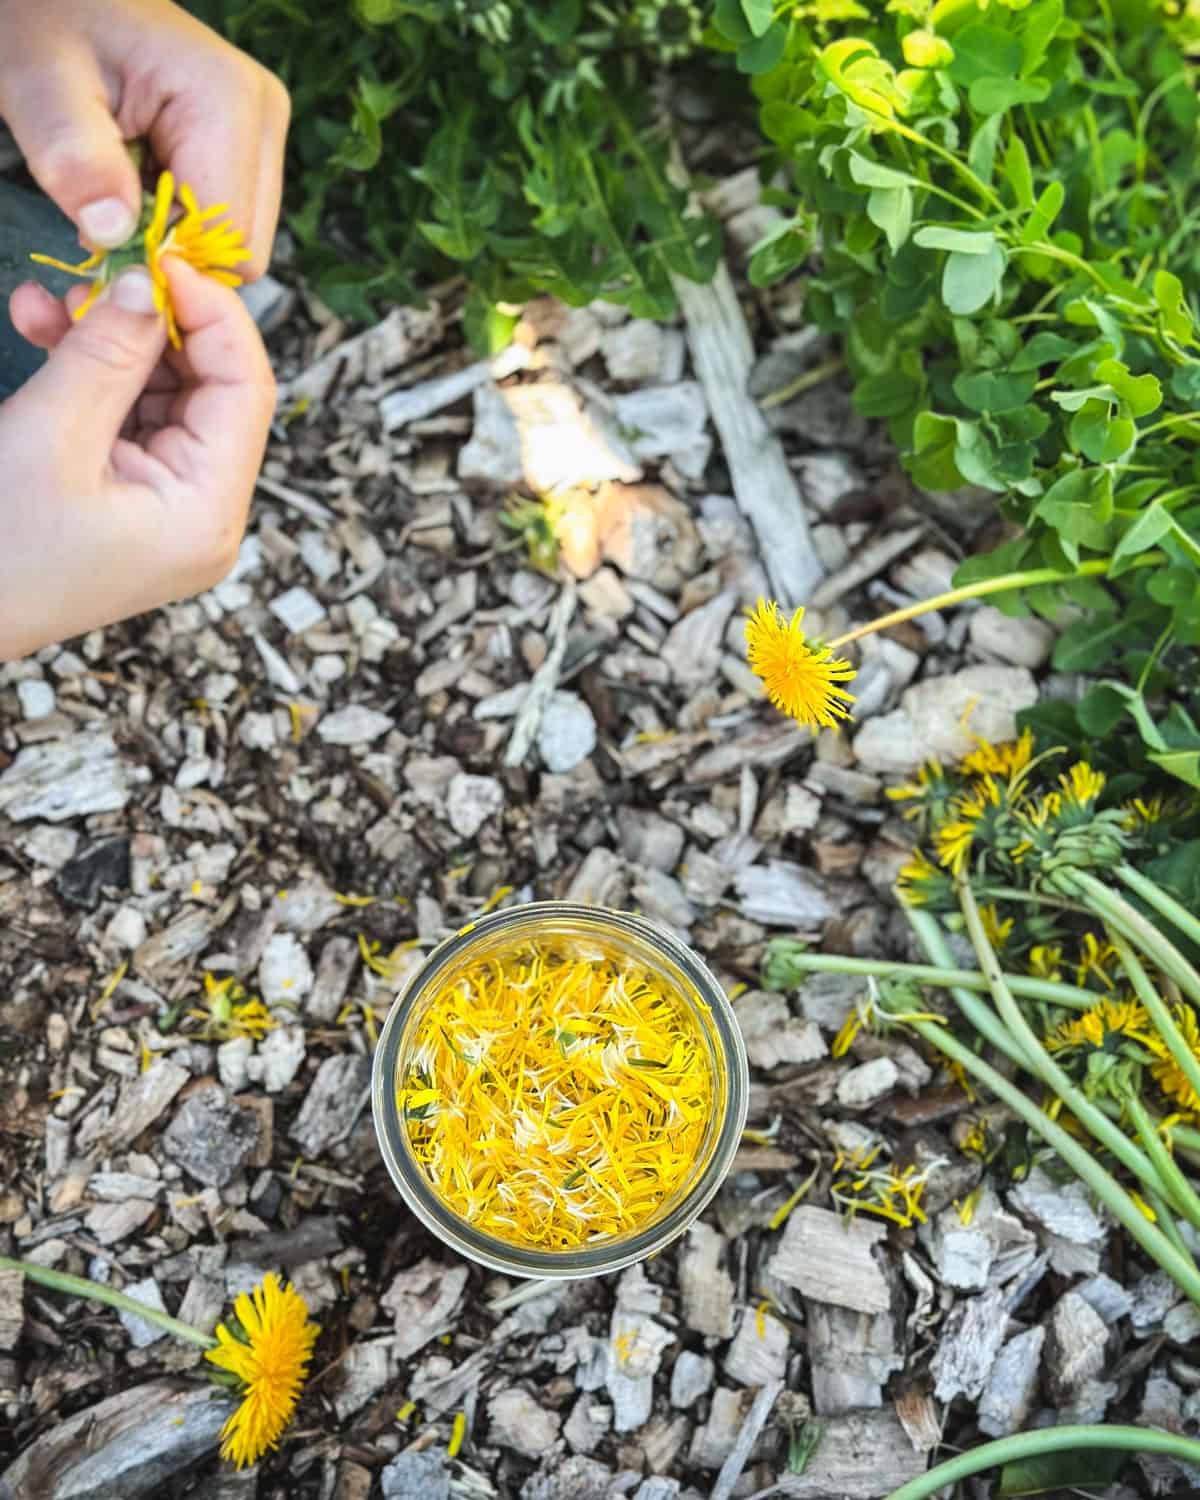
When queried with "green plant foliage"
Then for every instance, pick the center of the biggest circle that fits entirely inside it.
(503, 141)
(1008, 204)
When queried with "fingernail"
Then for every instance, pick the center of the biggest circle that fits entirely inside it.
(108, 222)
(134, 291)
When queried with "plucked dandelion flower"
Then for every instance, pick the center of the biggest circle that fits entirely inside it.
(269, 1361)
(955, 838)
(203, 237)
(1096, 958)
(1082, 785)
(1102, 1028)
(1045, 961)
(931, 787)
(1167, 1073)
(998, 931)
(1005, 759)
(920, 881)
(801, 679)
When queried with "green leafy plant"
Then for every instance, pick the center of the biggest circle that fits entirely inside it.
(1001, 206)
(511, 143)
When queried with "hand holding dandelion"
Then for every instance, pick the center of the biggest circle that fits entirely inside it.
(77, 80)
(130, 469)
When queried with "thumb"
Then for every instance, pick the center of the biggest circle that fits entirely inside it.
(57, 107)
(99, 368)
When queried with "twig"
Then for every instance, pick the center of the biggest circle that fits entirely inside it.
(731, 1469)
(803, 382)
(545, 679)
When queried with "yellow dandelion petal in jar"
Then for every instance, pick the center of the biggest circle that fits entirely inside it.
(801, 679)
(269, 1362)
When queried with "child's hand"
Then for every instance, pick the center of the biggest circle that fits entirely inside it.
(126, 467)
(80, 77)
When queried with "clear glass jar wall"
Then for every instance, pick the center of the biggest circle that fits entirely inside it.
(615, 943)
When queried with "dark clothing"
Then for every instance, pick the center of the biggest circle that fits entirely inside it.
(29, 221)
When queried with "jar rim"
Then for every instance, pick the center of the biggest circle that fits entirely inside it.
(603, 1256)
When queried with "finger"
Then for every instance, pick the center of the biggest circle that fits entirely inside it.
(98, 370)
(58, 108)
(38, 316)
(212, 134)
(220, 421)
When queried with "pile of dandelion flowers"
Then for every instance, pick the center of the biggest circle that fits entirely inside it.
(269, 1363)
(801, 677)
(203, 237)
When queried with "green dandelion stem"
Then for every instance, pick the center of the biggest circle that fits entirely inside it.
(1125, 918)
(1081, 1161)
(1066, 995)
(1048, 1440)
(1180, 1190)
(1007, 581)
(994, 1031)
(1042, 1065)
(1160, 1014)
(1184, 1138)
(1165, 1219)
(81, 1286)
(1162, 901)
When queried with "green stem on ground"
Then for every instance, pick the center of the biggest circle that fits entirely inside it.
(1006, 581)
(1047, 1440)
(1179, 1188)
(1165, 1219)
(1162, 901)
(989, 1026)
(1042, 1065)
(1051, 991)
(803, 382)
(1159, 1012)
(1081, 1161)
(80, 1286)
(1120, 914)
(1185, 1138)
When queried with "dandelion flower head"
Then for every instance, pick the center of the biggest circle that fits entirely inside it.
(801, 679)
(269, 1363)
(203, 237)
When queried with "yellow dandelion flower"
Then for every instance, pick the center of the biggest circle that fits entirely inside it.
(270, 1362)
(998, 932)
(1141, 810)
(1045, 961)
(1082, 785)
(953, 842)
(917, 872)
(202, 237)
(930, 782)
(999, 760)
(801, 679)
(1167, 1073)
(954, 839)
(1095, 958)
(1102, 1027)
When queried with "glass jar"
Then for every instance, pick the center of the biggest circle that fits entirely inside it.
(584, 932)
